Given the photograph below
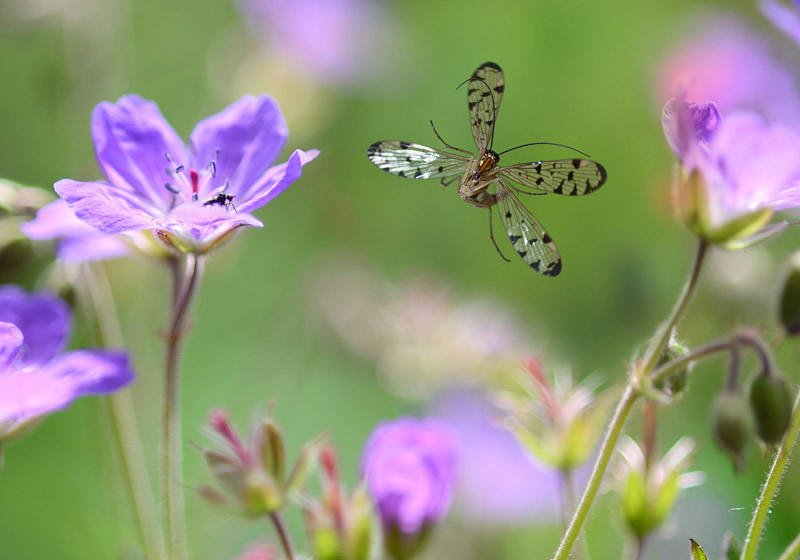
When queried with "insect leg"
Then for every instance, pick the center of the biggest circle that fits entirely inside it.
(491, 236)
(436, 132)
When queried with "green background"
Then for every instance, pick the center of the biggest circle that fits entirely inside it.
(581, 73)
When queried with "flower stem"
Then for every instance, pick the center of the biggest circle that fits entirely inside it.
(172, 509)
(121, 416)
(283, 534)
(624, 407)
(770, 487)
(628, 399)
(792, 551)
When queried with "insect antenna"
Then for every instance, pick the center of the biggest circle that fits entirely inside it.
(545, 144)
(491, 236)
(436, 132)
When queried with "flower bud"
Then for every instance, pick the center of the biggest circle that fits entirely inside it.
(675, 384)
(789, 302)
(733, 425)
(771, 400)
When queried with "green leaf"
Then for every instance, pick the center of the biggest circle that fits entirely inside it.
(697, 551)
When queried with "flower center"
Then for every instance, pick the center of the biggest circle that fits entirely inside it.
(190, 184)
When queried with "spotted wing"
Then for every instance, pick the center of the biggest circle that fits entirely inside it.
(530, 240)
(567, 176)
(484, 93)
(415, 160)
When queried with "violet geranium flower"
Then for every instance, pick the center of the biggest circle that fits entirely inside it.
(193, 197)
(784, 17)
(738, 170)
(35, 377)
(409, 467)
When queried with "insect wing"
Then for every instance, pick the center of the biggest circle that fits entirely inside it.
(530, 240)
(567, 176)
(415, 160)
(484, 93)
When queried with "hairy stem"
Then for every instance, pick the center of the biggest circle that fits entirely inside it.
(628, 399)
(792, 551)
(172, 509)
(100, 306)
(283, 535)
(770, 487)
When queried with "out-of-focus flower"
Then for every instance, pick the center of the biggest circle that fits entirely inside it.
(730, 64)
(192, 198)
(559, 423)
(36, 378)
(784, 17)
(421, 338)
(259, 550)
(649, 490)
(735, 172)
(253, 474)
(498, 483)
(336, 41)
(409, 467)
(339, 525)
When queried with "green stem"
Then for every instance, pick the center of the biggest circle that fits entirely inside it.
(172, 509)
(770, 487)
(629, 397)
(122, 418)
(283, 534)
(792, 551)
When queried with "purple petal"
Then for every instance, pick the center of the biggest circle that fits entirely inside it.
(785, 18)
(91, 372)
(44, 321)
(131, 141)
(274, 181)
(25, 396)
(201, 226)
(102, 207)
(757, 160)
(249, 134)
(696, 124)
(77, 241)
(10, 345)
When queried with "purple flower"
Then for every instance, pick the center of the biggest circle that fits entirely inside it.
(694, 126)
(191, 197)
(409, 466)
(786, 18)
(35, 379)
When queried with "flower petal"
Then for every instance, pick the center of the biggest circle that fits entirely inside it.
(199, 227)
(131, 141)
(249, 134)
(44, 321)
(10, 345)
(274, 181)
(102, 207)
(91, 372)
(25, 396)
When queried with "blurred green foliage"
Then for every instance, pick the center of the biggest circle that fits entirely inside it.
(580, 73)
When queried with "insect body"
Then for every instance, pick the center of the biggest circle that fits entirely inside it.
(478, 173)
(221, 199)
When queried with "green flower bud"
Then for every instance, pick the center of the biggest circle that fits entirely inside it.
(789, 301)
(771, 399)
(675, 384)
(733, 425)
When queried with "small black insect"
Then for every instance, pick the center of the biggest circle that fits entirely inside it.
(222, 199)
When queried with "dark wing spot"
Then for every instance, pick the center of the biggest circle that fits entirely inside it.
(471, 92)
(486, 94)
(471, 105)
(513, 238)
(538, 169)
(554, 269)
(533, 240)
(546, 238)
(488, 65)
(539, 180)
(576, 163)
(508, 214)
(522, 253)
(405, 145)
(570, 175)
(401, 174)
(441, 168)
(535, 265)
(558, 190)
(418, 173)
(373, 149)
(500, 88)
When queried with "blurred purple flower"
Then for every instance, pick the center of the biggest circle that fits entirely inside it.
(75, 240)
(786, 18)
(34, 378)
(745, 164)
(409, 466)
(735, 67)
(193, 198)
(335, 40)
(498, 482)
